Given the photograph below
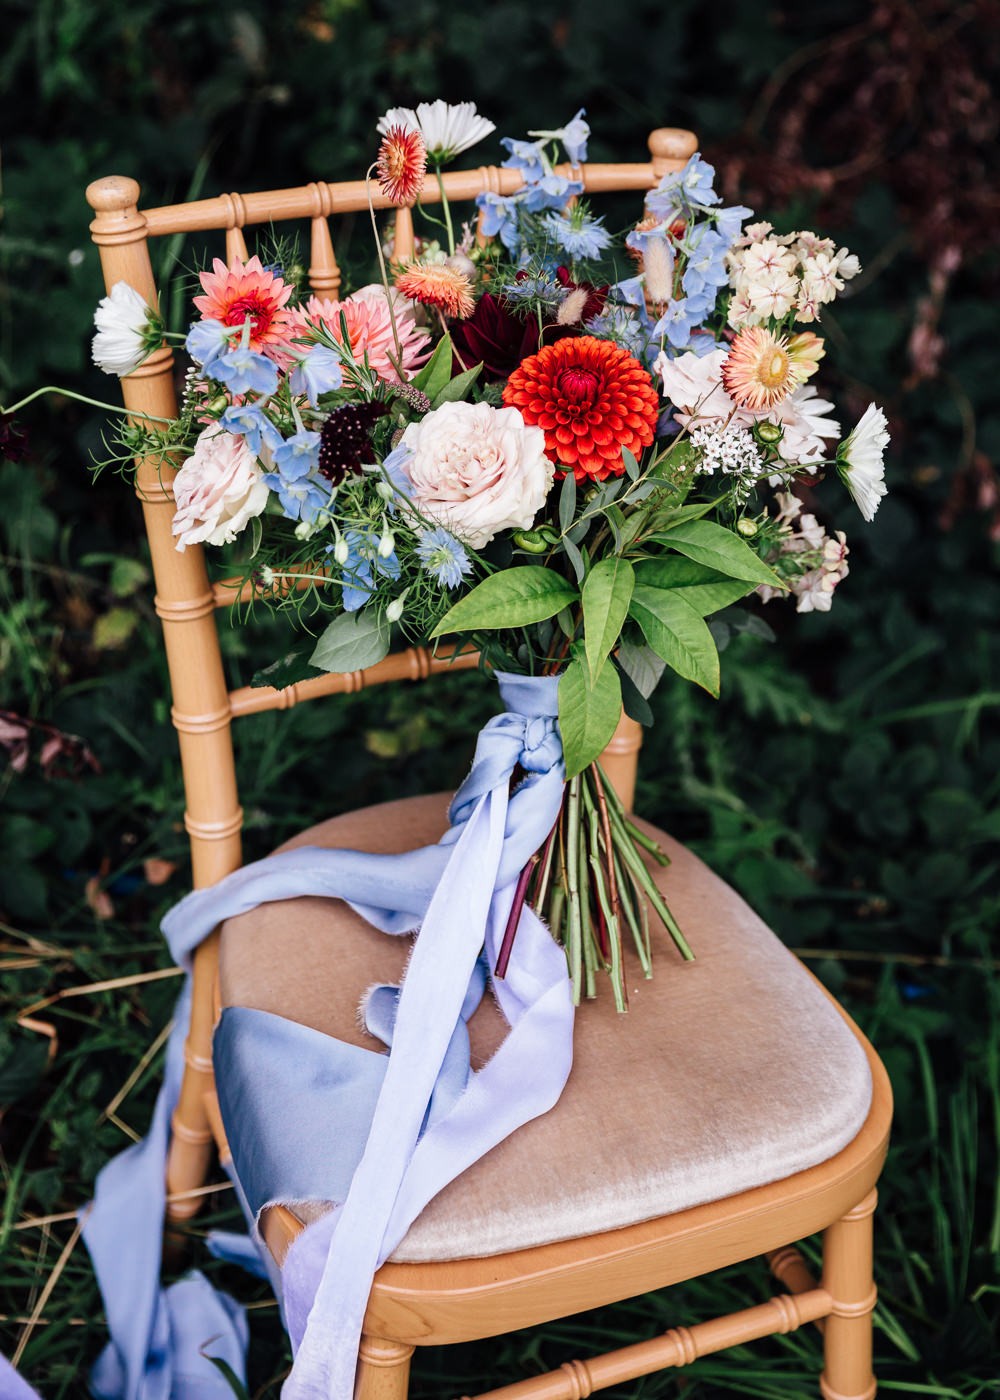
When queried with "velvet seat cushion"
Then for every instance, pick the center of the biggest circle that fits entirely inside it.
(727, 1073)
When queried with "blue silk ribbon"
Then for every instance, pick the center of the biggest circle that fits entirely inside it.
(394, 1129)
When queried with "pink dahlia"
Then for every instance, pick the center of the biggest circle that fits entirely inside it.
(247, 290)
(369, 329)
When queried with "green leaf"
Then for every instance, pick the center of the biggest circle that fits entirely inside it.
(456, 389)
(676, 632)
(510, 598)
(720, 549)
(567, 502)
(705, 589)
(631, 465)
(634, 703)
(437, 371)
(675, 515)
(642, 666)
(588, 716)
(352, 642)
(605, 599)
(289, 669)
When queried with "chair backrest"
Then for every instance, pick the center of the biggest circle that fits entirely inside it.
(186, 601)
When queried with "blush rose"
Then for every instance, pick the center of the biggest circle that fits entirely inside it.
(477, 470)
(217, 491)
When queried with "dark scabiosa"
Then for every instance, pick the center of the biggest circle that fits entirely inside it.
(345, 439)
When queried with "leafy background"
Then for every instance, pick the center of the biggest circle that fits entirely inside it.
(846, 783)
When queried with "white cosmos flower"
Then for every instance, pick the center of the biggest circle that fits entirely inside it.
(860, 461)
(127, 330)
(447, 127)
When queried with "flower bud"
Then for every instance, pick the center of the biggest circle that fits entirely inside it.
(530, 541)
(218, 405)
(747, 527)
(768, 433)
(385, 490)
(341, 551)
(395, 609)
(386, 544)
(305, 529)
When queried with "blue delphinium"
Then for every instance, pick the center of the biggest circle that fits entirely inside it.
(443, 557)
(362, 564)
(690, 188)
(319, 372)
(681, 317)
(394, 469)
(302, 491)
(252, 423)
(527, 156)
(244, 371)
(574, 136)
(580, 237)
(706, 263)
(206, 341)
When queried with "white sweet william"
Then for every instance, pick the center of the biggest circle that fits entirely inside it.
(217, 491)
(126, 330)
(860, 461)
(477, 470)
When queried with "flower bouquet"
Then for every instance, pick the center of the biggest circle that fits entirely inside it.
(563, 448)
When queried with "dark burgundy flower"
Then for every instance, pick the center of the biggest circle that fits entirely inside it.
(346, 437)
(13, 438)
(495, 336)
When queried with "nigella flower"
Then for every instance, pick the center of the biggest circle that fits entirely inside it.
(244, 371)
(860, 461)
(127, 330)
(541, 288)
(448, 128)
(443, 557)
(580, 237)
(620, 324)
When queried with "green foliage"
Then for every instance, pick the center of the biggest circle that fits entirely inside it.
(512, 598)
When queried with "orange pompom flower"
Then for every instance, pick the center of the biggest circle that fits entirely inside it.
(591, 398)
(401, 164)
(247, 290)
(440, 286)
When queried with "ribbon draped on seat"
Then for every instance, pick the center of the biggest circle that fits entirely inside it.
(406, 1123)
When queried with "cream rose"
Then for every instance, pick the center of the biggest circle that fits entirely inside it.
(477, 470)
(218, 489)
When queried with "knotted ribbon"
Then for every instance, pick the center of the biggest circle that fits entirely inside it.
(406, 1123)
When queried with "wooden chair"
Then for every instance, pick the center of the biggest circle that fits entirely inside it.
(741, 1047)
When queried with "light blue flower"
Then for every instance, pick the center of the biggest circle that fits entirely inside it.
(551, 192)
(243, 371)
(706, 266)
(319, 372)
(443, 557)
(579, 237)
(620, 324)
(729, 221)
(574, 136)
(251, 422)
(527, 156)
(206, 341)
(690, 187)
(500, 218)
(303, 492)
(394, 467)
(363, 563)
(541, 288)
(681, 317)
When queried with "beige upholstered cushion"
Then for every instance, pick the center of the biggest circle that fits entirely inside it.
(727, 1073)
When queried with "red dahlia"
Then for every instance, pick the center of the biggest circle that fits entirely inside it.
(591, 398)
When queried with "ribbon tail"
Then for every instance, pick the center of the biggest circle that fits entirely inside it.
(430, 1003)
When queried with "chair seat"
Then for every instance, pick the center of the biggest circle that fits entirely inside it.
(727, 1073)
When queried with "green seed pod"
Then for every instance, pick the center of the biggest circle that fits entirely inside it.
(531, 541)
(219, 404)
(747, 527)
(768, 433)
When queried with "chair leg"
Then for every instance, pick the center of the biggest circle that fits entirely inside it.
(847, 1277)
(383, 1370)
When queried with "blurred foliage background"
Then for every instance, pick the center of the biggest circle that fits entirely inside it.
(847, 783)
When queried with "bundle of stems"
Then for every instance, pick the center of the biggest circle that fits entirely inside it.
(592, 887)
